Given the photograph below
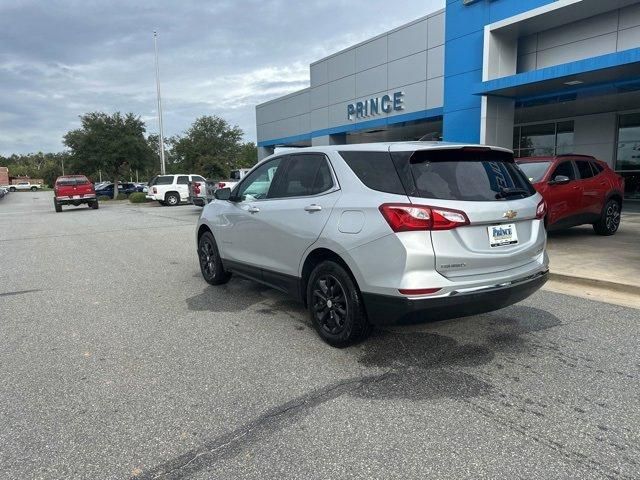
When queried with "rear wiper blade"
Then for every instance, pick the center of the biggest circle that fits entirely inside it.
(508, 192)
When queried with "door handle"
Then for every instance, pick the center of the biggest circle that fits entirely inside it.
(313, 208)
(253, 209)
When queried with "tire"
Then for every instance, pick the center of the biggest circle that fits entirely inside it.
(210, 262)
(95, 205)
(12, 189)
(335, 306)
(57, 206)
(34, 189)
(172, 199)
(610, 220)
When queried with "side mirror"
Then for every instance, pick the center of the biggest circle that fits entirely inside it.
(560, 180)
(222, 193)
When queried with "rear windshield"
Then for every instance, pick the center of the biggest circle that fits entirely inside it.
(161, 180)
(72, 181)
(534, 171)
(462, 174)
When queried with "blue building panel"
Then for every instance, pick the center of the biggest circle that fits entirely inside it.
(431, 114)
(614, 62)
(464, 43)
(464, 54)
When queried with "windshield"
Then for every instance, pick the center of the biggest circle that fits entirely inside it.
(534, 170)
(463, 174)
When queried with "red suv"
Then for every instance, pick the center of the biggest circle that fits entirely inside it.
(73, 190)
(578, 190)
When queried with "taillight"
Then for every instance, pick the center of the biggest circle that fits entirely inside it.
(221, 185)
(541, 211)
(405, 217)
(155, 190)
(196, 188)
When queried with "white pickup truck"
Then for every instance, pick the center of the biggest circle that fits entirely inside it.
(25, 186)
(235, 177)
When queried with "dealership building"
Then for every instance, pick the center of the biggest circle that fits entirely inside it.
(541, 77)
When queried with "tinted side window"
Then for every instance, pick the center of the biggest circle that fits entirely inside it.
(161, 180)
(305, 175)
(565, 169)
(182, 180)
(257, 185)
(597, 168)
(375, 170)
(584, 168)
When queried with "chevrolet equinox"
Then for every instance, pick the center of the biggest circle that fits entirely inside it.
(378, 234)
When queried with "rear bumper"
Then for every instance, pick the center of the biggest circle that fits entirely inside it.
(198, 201)
(390, 310)
(75, 201)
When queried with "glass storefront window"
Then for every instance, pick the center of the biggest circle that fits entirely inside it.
(564, 138)
(543, 140)
(628, 153)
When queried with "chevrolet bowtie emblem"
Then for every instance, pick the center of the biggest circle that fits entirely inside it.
(510, 214)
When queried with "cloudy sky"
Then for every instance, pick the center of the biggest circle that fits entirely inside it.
(62, 58)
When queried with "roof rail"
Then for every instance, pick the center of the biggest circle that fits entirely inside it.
(575, 155)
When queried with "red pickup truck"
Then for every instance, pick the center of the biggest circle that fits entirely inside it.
(73, 190)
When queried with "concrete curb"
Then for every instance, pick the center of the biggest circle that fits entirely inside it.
(592, 282)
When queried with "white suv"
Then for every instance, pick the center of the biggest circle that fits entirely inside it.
(171, 189)
(377, 234)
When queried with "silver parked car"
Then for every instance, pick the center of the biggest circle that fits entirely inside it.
(376, 234)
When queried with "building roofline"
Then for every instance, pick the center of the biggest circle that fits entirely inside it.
(364, 42)
(288, 95)
(386, 32)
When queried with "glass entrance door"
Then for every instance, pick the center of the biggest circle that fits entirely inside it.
(628, 153)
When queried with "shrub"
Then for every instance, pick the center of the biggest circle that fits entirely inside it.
(138, 197)
(122, 196)
(103, 198)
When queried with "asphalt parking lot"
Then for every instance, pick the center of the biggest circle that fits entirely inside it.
(117, 360)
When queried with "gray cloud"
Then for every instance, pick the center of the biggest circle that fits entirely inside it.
(62, 58)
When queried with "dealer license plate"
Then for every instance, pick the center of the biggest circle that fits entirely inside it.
(501, 235)
(75, 197)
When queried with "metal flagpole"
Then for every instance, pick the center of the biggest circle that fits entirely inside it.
(161, 139)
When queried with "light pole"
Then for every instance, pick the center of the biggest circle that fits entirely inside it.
(161, 139)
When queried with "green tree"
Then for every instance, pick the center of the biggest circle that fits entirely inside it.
(114, 144)
(248, 155)
(210, 147)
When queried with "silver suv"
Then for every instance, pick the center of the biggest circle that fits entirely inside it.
(384, 233)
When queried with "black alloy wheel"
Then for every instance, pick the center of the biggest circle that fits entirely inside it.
(335, 305)
(330, 304)
(210, 262)
(610, 221)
